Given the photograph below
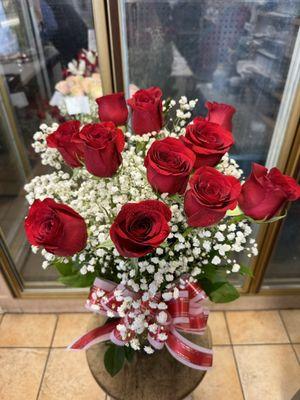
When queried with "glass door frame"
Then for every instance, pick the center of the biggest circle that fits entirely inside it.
(110, 46)
(109, 38)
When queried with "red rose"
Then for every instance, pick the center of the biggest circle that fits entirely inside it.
(169, 163)
(66, 140)
(210, 195)
(140, 227)
(112, 107)
(103, 144)
(264, 193)
(208, 140)
(146, 105)
(56, 227)
(220, 113)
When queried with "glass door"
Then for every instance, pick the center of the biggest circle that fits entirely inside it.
(245, 53)
(38, 39)
(283, 269)
(279, 262)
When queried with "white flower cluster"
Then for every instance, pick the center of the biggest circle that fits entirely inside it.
(228, 166)
(182, 115)
(187, 250)
(79, 67)
(48, 156)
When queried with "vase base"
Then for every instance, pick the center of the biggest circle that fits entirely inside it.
(158, 376)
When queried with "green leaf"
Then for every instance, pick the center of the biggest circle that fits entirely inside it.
(187, 231)
(64, 269)
(107, 244)
(224, 293)
(244, 270)
(164, 244)
(129, 353)
(215, 275)
(267, 221)
(176, 198)
(140, 146)
(220, 292)
(114, 358)
(78, 280)
(235, 212)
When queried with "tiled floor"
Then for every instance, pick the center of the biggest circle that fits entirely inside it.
(255, 357)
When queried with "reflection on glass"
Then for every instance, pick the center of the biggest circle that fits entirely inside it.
(232, 51)
(38, 38)
(284, 266)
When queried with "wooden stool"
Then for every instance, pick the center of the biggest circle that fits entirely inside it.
(148, 377)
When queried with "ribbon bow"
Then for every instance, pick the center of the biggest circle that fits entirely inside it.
(185, 313)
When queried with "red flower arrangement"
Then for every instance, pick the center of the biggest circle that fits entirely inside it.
(210, 195)
(146, 106)
(169, 164)
(103, 145)
(208, 140)
(155, 219)
(56, 227)
(140, 228)
(112, 107)
(66, 140)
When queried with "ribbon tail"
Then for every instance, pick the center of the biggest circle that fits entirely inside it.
(97, 335)
(188, 353)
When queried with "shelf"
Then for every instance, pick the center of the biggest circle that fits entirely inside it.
(274, 14)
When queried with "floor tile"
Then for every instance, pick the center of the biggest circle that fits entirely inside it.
(68, 377)
(268, 372)
(20, 373)
(254, 327)
(70, 327)
(292, 322)
(27, 330)
(221, 382)
(297, 350)
(217, 324)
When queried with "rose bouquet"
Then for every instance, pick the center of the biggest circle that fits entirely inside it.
(79, 86)
(85, 64)
(76, 94)
(154, 216)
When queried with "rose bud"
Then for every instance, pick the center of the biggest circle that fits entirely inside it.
(103, 144)
(141, 227)
(208, 140)
(220, 113)
(112, 107)
(210, 195)
(56, 227)
(169, 163)
(146, 106)
(66, 140)
(265, 193)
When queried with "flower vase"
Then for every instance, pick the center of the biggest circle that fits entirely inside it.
(147, 377)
